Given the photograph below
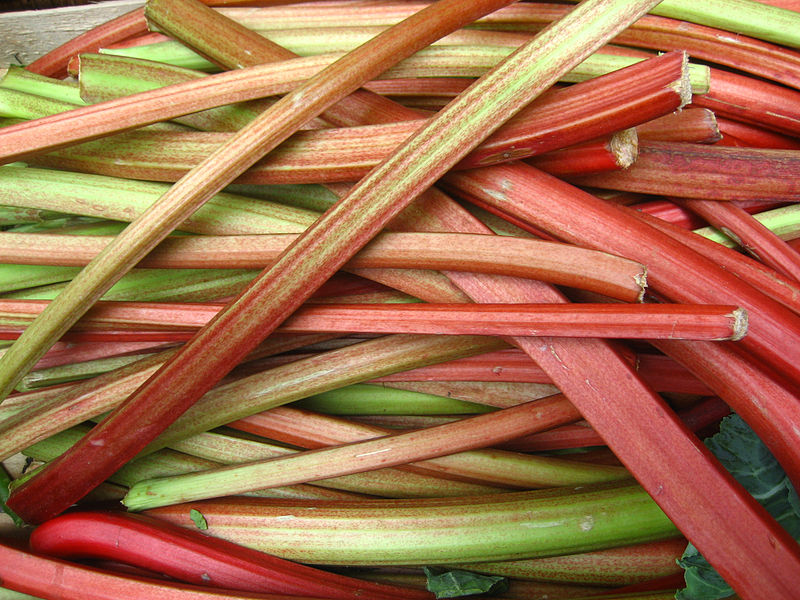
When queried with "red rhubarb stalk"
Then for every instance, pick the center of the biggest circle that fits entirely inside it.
(628, 321)
(54, 63)
(44, 577)
(192, 557)
(706, 172)
(753, 236)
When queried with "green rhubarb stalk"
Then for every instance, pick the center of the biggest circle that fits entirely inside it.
(15, 104)
(12, 216)
(126, 200)
(387, 451)
(621, 566)
(23, 80)
(167, 462)
(470, 61)
(39, 378)
(438, 531)
(20, 277)
(334, 237)
(151, 285)
(363, 399)
(105, 77)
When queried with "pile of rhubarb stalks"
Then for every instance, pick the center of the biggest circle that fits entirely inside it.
(305, 299)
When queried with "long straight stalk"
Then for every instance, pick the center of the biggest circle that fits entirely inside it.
(625, 321)
(535, 259)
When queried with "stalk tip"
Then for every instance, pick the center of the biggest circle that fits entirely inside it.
(641, 281)
(740, 323)
(625, 147)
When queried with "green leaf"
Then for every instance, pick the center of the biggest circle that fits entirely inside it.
(741, 451)
(198, 519)
(456, 583)
(5, 481)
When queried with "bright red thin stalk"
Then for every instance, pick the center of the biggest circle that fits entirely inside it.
(661, 373)
(668, 211)
(736, 133)
(192, 557)
(335, 237)
(42, 577)
(54, 63)
(701, 415)
(707, 172)
(752, 101)
(609, 154)
(753, 236)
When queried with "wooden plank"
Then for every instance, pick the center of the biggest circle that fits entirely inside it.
(27, 35)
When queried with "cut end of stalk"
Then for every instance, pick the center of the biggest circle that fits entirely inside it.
(740, 322)
(641, 281)
(625, 147)
(683, 86)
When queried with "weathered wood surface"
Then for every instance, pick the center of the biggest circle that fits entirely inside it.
(27, 35)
